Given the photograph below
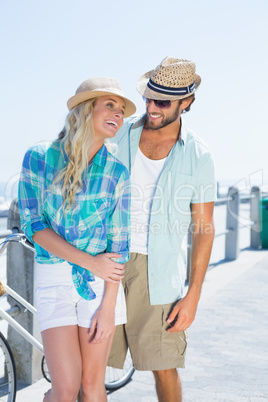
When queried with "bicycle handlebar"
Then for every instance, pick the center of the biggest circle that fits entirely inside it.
(17, 237)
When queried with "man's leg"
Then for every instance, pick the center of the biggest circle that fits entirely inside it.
(145, 332)
(168, 385)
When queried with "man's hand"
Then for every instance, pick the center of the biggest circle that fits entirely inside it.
(183, 314)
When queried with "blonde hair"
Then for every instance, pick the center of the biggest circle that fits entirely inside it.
(76, 137)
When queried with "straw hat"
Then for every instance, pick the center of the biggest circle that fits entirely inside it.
(172, 79)
(100, 86)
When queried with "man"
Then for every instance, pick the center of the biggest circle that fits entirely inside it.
(172, 185)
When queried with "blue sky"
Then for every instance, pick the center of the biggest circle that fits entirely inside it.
(49, 47)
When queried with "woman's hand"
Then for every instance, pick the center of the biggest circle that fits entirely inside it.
(102, 324)
(103, 321)
(100, 265)
(104, 267)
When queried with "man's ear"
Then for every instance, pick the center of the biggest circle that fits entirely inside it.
(186, 102)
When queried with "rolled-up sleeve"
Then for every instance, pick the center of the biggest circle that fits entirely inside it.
(31, 185)
(118, 238)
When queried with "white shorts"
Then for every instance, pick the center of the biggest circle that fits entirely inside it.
(58, 303)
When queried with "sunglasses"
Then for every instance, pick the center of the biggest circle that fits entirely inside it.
(161, 104)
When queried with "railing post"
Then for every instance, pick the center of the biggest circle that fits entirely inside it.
(232, 224)
(255, 237)
(20, 277)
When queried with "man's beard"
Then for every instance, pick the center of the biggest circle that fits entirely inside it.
(165, 122)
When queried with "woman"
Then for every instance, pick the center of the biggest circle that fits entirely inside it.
(74, 206)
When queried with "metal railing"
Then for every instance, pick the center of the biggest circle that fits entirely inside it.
(233, 225)
(233, 221)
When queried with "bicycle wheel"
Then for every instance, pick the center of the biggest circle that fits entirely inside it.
(8, 380)
(44, 369)
(114, 378)
(117, 378)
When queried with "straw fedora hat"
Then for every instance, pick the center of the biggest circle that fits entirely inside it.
(100, 86)
(173, 79)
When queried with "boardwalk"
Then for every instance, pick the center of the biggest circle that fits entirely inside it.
(227, 358)
(228, 342)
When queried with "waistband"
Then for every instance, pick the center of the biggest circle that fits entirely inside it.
(48, 274)
(59, 273)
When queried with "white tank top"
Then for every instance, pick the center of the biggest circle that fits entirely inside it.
(144, 177)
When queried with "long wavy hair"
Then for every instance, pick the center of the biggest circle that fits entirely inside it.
(76, 137)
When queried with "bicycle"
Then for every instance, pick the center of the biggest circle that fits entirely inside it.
(8, 382)
(114, 378)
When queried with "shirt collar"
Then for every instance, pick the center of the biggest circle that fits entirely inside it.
(63, 152)
(183, 133)
(100, 157)
(139, 121)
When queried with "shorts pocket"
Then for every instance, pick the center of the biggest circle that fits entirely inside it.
(46, 298)
(172, 343)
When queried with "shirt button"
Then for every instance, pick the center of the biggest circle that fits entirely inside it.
(27, 211)
(67, 231)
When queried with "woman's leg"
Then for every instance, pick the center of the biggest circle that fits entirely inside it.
(94, 360)
(63, 357)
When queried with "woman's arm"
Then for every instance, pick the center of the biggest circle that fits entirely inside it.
(100, 265)
(103, 322)
(37, 229)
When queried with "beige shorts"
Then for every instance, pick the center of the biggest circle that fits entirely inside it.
(151, 346)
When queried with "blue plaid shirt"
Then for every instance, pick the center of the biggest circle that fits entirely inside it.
(99, 220)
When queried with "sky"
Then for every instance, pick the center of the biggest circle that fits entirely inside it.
(49, 47)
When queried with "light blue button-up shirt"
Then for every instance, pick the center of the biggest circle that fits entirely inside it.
(188, 176)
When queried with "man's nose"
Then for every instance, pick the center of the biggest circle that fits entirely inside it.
(151, 106)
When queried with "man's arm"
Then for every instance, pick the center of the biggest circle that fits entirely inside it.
(203, 235)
